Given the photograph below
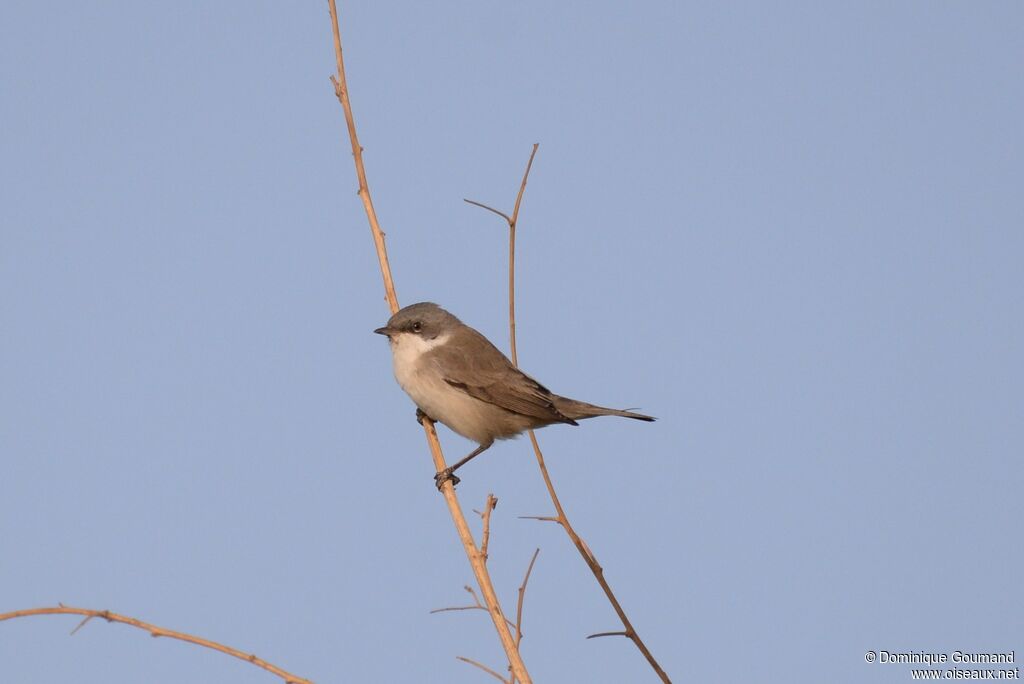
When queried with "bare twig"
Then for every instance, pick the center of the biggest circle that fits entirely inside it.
(518, 625)
(607, 634)
(476, 606)
(482, 667)
(519, 603)
(561, 519)
(81, 623)
(476, 558)
(155, 631)
(522, 595)
(485, 536)
(451, 609)
(476, 603)
(511, 221)
(594, 566)
(488, 208)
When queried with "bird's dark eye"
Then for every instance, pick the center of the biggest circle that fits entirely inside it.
(416, 327)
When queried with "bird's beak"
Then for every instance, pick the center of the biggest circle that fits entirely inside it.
(384, 331)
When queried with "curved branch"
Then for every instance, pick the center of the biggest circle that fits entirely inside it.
(488, 208)
(155, 631)
(562, 519)
(607, 634)
(476, 558)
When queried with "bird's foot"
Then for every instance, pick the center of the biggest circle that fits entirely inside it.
(421, 416)
(444, 476)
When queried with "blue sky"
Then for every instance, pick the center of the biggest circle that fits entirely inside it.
(791, 231)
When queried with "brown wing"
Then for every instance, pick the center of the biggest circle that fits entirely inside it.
(478, 368)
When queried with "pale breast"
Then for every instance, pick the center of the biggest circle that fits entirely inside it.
(424, 383)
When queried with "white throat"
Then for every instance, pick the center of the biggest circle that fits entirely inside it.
(407, 350)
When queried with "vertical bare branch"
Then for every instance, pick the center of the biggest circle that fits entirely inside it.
(562, 519)
(519, 603)
(476, 558)
(341, 90)
(485, 536)
(512, 259)
(522, 596)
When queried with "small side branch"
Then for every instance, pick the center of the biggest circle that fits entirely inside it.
(489, 208)
(607, 634)
(476, 603)
(482, 667)
(522, 596)
(156, 631)
(476, 606)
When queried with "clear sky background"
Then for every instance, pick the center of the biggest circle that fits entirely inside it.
(792, 231)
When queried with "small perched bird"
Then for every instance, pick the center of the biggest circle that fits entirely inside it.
(457, 377)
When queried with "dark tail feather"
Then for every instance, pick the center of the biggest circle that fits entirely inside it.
(578, 410)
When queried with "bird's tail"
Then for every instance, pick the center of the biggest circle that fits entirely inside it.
(578, 410)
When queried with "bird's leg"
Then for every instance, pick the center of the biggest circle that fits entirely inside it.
(449, 472)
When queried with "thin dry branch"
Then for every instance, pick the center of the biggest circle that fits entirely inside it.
(561, 519)
(488, 208)
(485, 536)
(595, 567)
(522, 596)
(476, 558)
(545, 518)
(511, 221)
(519, 603)
(476, 606)
(476, 603)
(483, 667)
(156, 631)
